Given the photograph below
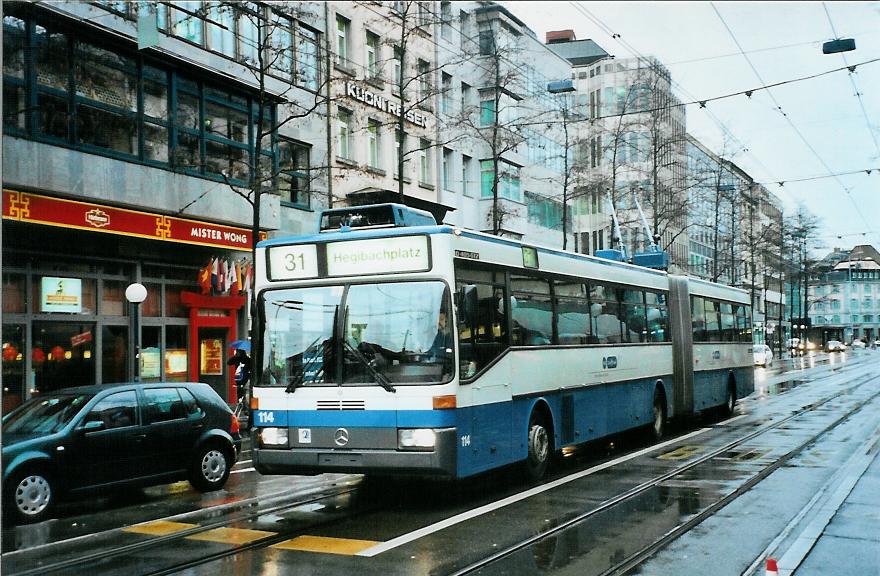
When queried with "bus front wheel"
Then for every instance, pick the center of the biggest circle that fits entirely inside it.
(535, 464)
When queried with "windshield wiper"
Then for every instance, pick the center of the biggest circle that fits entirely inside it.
(299, 378)
(377, 376)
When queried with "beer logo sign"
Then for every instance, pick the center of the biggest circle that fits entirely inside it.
(97, 218)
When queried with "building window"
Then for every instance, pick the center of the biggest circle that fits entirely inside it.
(397, 69)
(221, 29)
(293, 172)
(544, 212)
(465, 96)
(424, 161)
(372, 56)
(120, 106)
(464, 29)
(446, 169)
(280, 40)
(343, 26)
(424, 72)
(466, 162)
(186, 22)
(307, 68)
(248, 34)
(373, 143)
(488, 114)
(446, 20)
(508, 180)
(446, 98)
(344, 134)
(487, 42)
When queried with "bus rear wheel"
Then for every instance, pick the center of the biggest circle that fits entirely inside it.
(658, 423)
(539, 445)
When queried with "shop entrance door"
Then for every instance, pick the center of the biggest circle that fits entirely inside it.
(212, 359)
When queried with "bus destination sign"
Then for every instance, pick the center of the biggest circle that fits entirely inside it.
(378, 256)
(295, 262)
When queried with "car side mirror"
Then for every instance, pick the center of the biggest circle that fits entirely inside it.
(467, 304)
(93, 426)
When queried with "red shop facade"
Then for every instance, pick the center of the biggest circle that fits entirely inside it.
(65, 318)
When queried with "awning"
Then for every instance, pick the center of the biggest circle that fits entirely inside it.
(383, 196)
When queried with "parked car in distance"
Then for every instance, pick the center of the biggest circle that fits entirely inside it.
(858, 344)
(834, 346)
(763, 355)
(876, 344)
(89, 438)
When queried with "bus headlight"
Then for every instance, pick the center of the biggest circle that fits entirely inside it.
(416, 439)
(273, 437)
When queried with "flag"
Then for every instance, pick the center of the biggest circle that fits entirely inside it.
(237, 287)
(221, 277)
(215, 274)
(230, 277)
(205, 277)
(248, 277)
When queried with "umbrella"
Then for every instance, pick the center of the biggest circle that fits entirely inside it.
(240, 345)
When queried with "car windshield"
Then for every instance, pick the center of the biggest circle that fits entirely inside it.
(44, 415)
(391, 333)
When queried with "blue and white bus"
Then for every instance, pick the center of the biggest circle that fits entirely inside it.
(432, 350)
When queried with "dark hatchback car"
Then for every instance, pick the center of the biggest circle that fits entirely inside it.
(94, 438)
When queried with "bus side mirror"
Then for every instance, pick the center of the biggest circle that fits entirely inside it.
(467, 304)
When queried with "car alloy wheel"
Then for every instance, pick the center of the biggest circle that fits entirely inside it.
(213, 466)
(32, 497)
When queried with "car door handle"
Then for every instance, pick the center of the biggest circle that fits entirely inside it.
(138, 437)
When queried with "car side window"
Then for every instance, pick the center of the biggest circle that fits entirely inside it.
(116, 410)
(163, 404)
(190, 405)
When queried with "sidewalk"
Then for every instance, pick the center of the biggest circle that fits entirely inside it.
(840, 534)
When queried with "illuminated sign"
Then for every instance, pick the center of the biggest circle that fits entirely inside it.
(39, 209)
(378, 101)
(293, 262)
(378, 256)
(61, 295)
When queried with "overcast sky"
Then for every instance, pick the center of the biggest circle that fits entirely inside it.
(826, 129)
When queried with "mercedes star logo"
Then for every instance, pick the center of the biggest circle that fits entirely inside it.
(341, 437)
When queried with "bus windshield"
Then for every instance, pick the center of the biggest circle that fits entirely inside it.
(391, 334)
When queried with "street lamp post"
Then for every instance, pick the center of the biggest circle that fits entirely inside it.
(135, 294)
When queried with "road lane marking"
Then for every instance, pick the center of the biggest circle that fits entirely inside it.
(159, 527)
(325, 545)
(681, 453)
(231, 535)
(443, 524)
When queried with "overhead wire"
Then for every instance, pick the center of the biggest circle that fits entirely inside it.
(789, 120)
(852, 79)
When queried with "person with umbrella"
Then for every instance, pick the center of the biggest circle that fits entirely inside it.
(243, 367)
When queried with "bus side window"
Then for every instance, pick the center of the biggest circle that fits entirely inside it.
(482, 339)
(698, 321)
(713, 322)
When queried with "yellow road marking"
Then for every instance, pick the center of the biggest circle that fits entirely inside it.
(159, 528)
(231, 535)
(326, 545)
(681, 453)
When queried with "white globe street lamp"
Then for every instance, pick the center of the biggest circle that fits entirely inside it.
(135, 294)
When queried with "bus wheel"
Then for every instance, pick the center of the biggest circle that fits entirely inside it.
(658, 424)
(730, 402)
(538, 458)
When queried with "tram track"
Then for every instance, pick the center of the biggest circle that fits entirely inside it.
(90, 559)
(631, 561)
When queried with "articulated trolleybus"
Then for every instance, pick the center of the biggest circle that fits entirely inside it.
(393, 345)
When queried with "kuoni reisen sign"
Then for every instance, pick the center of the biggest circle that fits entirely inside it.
(38, 209)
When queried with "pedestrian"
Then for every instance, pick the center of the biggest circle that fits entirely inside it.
(243, 367)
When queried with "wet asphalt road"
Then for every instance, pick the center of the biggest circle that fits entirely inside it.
(334, 524)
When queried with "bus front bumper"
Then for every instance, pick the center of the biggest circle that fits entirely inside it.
(309, 461)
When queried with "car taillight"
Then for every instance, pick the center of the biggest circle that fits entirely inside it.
(235, 427)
